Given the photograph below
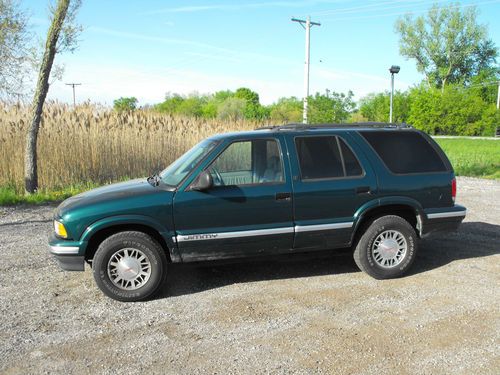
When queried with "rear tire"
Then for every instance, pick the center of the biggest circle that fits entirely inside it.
(129, 266)
(387, 247)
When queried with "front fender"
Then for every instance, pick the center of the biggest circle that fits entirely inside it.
(112, 221)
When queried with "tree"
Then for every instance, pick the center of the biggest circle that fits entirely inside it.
(375, 107)
(232, 109)
(331, 107)
(448, 44)
(454, 111)
(286, 110)
(62, 36)
(14, 51)
(125, 104)
(253, 109)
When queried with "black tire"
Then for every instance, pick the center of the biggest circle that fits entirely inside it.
(147, 254)
(367, 252)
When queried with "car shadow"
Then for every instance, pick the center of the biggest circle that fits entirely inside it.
(197, 277)
(472, 240)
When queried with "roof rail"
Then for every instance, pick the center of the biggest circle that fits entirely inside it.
(299, 126)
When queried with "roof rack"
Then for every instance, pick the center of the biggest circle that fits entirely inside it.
(299, 126)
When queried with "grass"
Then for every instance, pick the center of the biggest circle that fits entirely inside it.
(473, 157)
(10, 196)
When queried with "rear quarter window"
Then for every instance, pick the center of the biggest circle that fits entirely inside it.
(325, 157)
(405, 151)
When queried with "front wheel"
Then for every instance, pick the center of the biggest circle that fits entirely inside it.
(129, 266)
(387, 248)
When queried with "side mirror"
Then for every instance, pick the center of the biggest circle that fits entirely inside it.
(204, 181)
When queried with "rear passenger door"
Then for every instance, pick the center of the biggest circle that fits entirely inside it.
(331, 179)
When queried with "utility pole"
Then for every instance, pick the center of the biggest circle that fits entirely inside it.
(73, 85)
(306, 24)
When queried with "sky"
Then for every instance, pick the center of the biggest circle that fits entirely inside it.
(147, 49)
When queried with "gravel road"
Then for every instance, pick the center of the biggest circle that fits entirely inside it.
(296, 314)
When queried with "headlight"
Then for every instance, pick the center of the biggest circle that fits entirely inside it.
(60, 229)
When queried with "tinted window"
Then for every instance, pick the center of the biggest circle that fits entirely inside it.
(405, 151)
(248, 162)
(320, 157)
(352, 167)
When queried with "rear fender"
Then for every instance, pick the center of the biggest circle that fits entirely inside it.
(368, 207)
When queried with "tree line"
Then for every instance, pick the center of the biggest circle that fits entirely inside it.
(453, 110)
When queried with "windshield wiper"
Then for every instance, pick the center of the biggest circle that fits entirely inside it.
(154, 180)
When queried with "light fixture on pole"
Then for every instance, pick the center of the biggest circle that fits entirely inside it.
(393, 70)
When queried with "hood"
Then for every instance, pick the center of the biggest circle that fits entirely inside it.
(135, 197)
(106, 194)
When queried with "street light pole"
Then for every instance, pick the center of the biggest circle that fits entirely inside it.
(498, 96)
(308, 24)
(394, 70)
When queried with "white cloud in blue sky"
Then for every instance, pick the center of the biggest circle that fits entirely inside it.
(147, 48)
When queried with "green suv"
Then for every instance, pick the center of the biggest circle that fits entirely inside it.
(374, 188)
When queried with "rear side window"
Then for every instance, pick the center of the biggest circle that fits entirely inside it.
(405, 151)
(325, 157)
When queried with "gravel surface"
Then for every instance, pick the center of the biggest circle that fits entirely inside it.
(295, 314)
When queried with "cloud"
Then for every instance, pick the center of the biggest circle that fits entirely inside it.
(222, 52)
(231, 7)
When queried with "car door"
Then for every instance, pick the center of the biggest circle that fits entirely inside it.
(332, 179)
(248, 211)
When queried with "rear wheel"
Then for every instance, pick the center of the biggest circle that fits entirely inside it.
(387, 248)
(129, 266)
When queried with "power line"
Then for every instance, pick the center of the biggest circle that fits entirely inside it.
(370, 7)
(403, 13)
(73, 85)
(306, 24)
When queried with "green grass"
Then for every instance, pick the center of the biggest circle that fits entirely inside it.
(9, 195)
(473, 157)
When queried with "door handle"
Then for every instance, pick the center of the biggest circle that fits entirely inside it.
(363, 190)
(283, 196)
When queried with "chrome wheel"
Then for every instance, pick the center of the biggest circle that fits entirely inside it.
(129, 269)
(389, 248)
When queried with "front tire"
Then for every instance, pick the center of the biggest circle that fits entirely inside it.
(387, 248)
(129, 266)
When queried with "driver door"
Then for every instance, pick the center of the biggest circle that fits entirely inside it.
(247, 211)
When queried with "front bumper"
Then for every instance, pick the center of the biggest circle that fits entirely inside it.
(443, 219)
(69, 254)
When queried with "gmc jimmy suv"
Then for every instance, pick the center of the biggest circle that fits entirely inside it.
(375, 188)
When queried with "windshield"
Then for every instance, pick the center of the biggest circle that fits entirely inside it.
(180, 168)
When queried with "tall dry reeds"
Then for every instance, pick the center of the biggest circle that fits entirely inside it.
(92, 144)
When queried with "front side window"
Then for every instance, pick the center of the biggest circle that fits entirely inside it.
(248, 162)
(326, 157)
(180, 168)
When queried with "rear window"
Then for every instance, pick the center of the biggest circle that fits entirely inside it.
(326, 157)
(405, 151)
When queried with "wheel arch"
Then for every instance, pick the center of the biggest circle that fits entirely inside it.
(99, 231)
(407, 208)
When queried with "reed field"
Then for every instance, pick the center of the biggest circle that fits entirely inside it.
(91, 145)
(83, 147)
